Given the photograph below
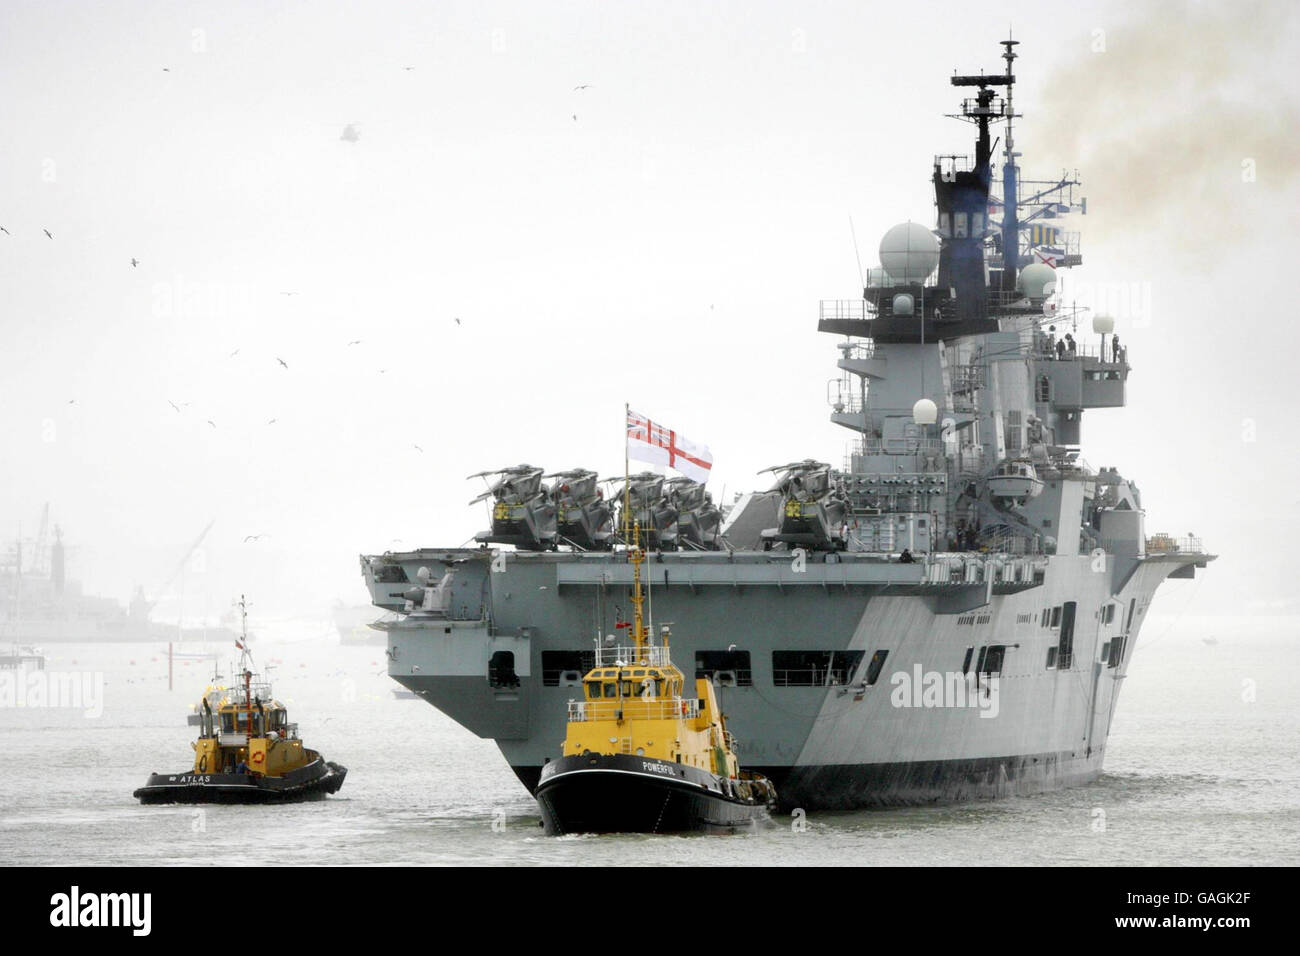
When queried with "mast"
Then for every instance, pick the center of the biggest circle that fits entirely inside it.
(1010, 188)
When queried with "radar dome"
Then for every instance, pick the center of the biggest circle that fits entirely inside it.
(925, 412)
(1036, 280)
(1103, 324)
(909, 252)
(878, 278)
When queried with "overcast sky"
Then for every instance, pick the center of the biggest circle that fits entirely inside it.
(661, 237)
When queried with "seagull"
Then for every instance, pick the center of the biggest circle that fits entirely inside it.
(273, 421)
(282, 361)
(212, 423)
(288, 293)
(234, 353)
(355, 342)
(255, 537)
(382, 371)
(418, 448)
(173, 405)
(166, 69)
(72, 401)
(408, 69)
(575, 117)
(48, 233)
(134, 262)
(5, 231)
(458, 320)
(585, 86)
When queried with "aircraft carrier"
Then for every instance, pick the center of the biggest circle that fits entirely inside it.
(948, 614)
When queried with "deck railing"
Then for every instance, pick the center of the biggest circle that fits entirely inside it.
(633, 708)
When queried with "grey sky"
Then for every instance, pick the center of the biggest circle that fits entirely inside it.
(667, 247)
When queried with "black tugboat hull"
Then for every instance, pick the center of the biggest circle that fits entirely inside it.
(616, 793)
(313, 782)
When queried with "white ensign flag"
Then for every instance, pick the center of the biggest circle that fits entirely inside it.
(653, 443)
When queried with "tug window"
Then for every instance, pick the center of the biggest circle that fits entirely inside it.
(611, 690)
(1116, 655)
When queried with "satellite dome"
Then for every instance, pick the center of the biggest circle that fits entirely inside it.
(1103, 324)
(1037, 281)
(878, 278)
(909, 252)
(925, 412)
(903, 304)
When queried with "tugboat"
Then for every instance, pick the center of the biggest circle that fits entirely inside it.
(641, 758)
(247, 751)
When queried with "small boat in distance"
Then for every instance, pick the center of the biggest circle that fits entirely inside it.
(639, 757)
(213, 695)
(247, 751)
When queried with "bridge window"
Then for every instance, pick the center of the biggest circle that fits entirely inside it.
(565, 667)
(1044, 394)
(731, 667)
(501, 669)
(814, 668)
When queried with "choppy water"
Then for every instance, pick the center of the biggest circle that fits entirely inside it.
(1197, 772)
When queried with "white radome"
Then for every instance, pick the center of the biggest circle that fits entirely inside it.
(1037, 281)
(909, 252)
(878, 278)
(925, 412)
(1103, 324)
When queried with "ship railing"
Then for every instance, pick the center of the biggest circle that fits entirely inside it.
(897, 446)
(627, 655)
(854, 309)
(1164, 544)
(633, 708)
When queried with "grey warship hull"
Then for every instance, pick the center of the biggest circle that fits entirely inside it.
(833, 734)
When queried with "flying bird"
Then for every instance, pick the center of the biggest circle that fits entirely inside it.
(48, 233)
(355, 342)
(350, 134)
(166, 69)
(417, 448)
(408, 69)
(585, 86)
(282, 361)
(173, 405)
(234, 353)
(255, 537)
(458, 320)
(5, 231)
(72, 401)
(575, 117)
(134, 262)
(273, 421)
(212, 423)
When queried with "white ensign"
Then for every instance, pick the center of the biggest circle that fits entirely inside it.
(657, 445)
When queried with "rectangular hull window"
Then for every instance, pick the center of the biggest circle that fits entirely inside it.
(814, 668)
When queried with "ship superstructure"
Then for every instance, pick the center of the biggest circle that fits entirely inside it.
(949, 614)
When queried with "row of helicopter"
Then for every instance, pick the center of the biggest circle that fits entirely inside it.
(671, 513)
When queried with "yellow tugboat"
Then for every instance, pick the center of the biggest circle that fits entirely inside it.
(639, 757)
(247, 751)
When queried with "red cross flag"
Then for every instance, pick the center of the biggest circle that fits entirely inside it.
(653, 443)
